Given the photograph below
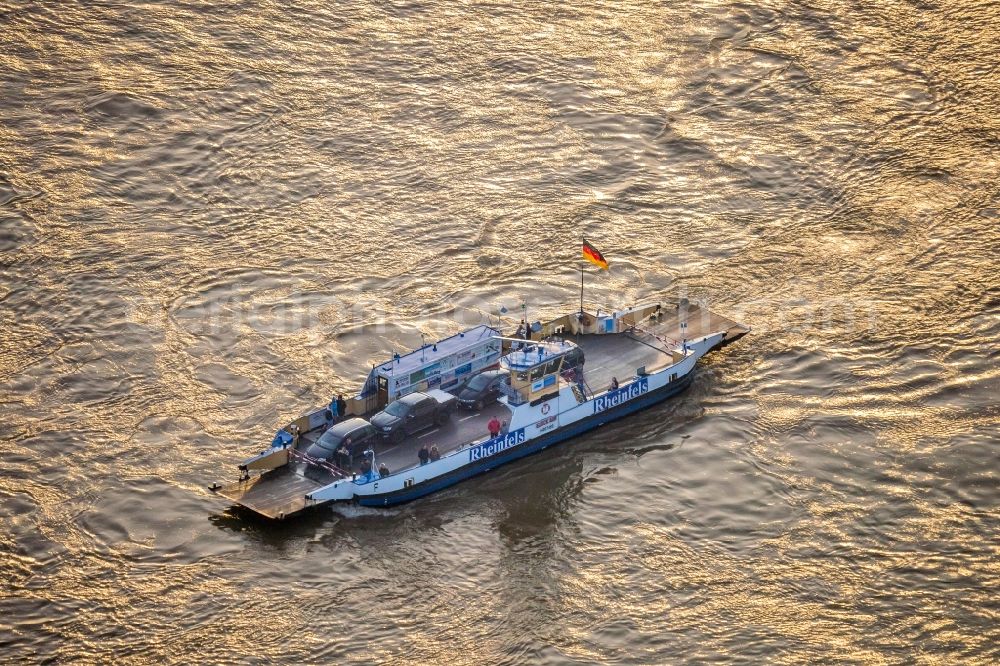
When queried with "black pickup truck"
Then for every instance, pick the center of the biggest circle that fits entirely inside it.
(412, 413)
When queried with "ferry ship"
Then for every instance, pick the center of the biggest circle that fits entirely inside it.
(568, 375)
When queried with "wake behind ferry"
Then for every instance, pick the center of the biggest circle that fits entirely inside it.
(465, 405)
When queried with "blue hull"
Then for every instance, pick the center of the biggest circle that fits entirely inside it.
(533, 446)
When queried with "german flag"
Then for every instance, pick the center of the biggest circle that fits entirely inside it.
(593, 255)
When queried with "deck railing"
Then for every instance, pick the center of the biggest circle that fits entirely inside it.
(665, 339)
(301, 456)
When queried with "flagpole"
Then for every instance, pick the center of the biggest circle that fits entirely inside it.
(581, 289)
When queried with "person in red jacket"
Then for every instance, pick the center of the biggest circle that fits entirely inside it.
(494, 426)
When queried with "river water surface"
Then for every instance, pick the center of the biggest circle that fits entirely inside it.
(215, 215)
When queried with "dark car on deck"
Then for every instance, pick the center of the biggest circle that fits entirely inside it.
(483, 389)
(412, 413)
(357, 433)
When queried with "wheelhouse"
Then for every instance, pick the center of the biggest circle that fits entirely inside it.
(536, 368)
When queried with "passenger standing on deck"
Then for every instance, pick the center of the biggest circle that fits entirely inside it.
(334, 410)
(423, 454)
(341, 406)
(366, 468)
(435, 454)
(614, 383)
(383, 471)
(494, 426)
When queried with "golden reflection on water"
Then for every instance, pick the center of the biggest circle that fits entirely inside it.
(214, 217)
